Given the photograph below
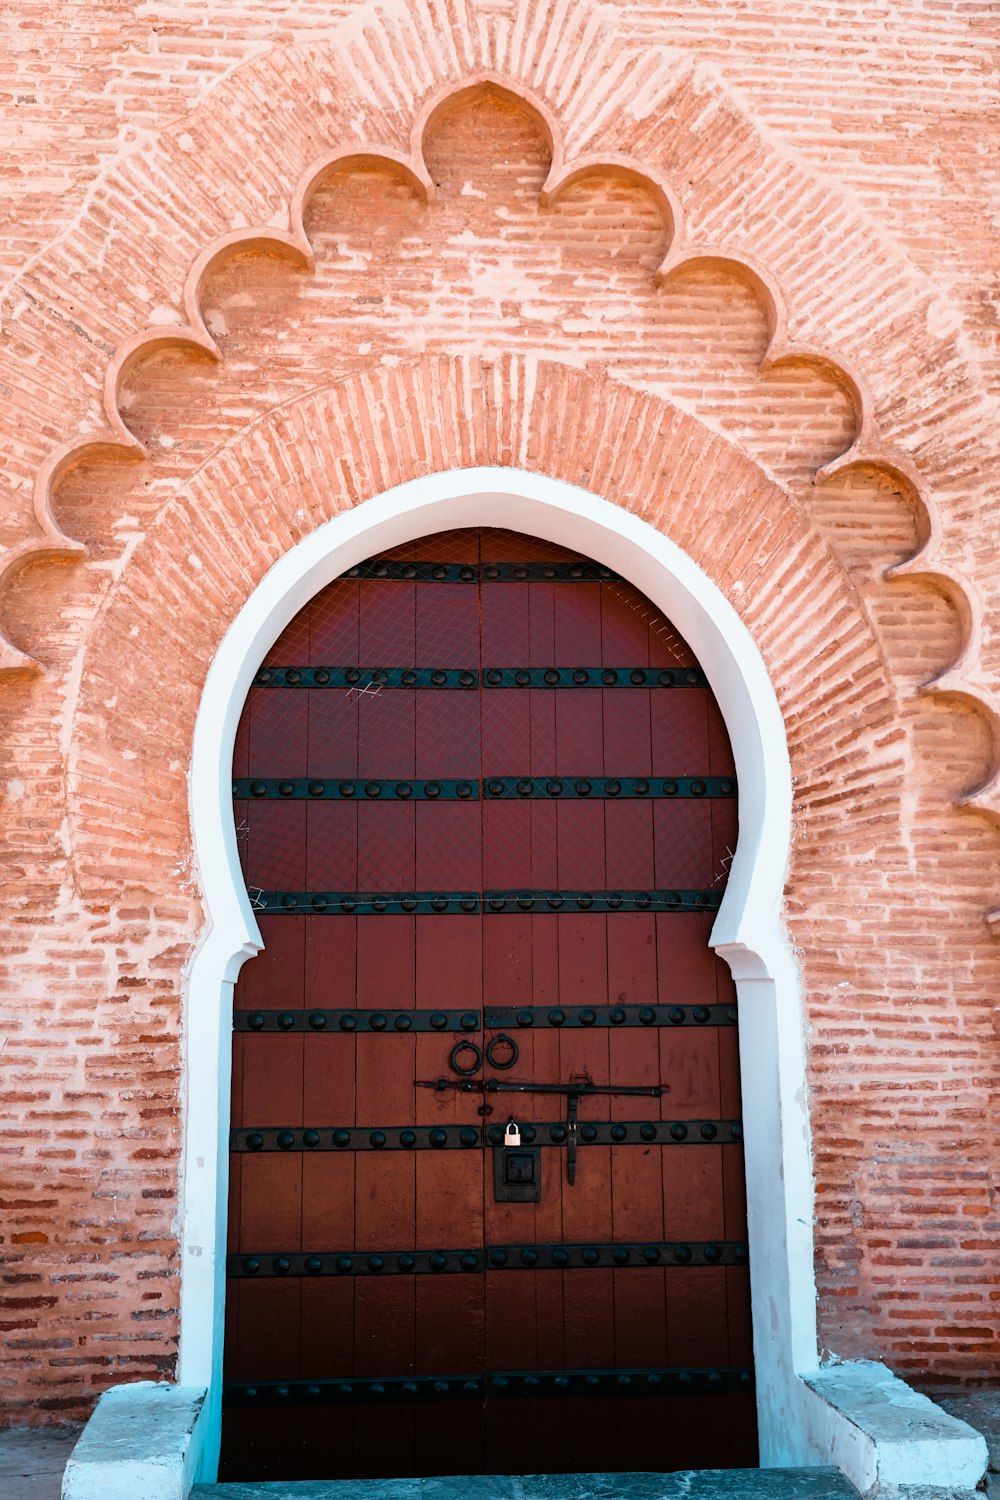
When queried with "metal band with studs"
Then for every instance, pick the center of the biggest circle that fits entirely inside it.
(634, 1253)
(660, 1381)
(468, 1137)
(472, 903)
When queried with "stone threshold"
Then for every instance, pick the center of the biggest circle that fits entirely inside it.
(716, 1484)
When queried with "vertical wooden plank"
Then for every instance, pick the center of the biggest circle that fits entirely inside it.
(450, 1342)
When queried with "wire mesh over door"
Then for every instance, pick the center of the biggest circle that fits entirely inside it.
(486, 1209)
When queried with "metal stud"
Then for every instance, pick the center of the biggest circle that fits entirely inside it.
(554, 788)
(313, 1265)
(679, 1132)
(713, 1254)
(348, 1022)
(377, 1021)
(612, 788)
(647, 1132)
(619, 1133)
(590, 1256)
(256, 1021)
(682, 1255)
(438, 1138)
(255, 1141)
(556, 1017)
(498, 1257)
(377, 1139)
(588, 1132)
(529, 1256)
(341, 1138)
(469, 1136)
(375, 1263)
(286, 1020)
(317, 1020)
(408, 1139)
(344, 1264)
(708, 1131)
(616, 1016)
(285, 1140)
(560, 1257)
(701, 1014)
(525, 1018)
(251, 1265)
(551, 676)
(621, 1255)
(676, 1015)
(587, 1016)
(402, 1023)
(282, 1265)
(406, 1262)
(310, 1138)
(469, 1262)
(647, 1015)
(609, 677)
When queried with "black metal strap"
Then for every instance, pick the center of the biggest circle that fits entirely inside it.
(539, 1017)
(494, 572)
(469, 1137)
(598, 1017)
(609, 788)
(471, 903)
(661, 1381)
(353, 789)
(566, 788)
(366, 679)
(372, 679)
(575, 1257)
(356, 1020)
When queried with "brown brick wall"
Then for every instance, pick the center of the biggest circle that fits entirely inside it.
(835, 166)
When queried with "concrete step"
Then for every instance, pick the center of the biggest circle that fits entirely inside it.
(715, 1484)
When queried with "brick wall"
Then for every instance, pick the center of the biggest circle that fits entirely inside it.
(759, 316)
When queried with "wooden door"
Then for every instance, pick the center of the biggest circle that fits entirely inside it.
(486, 806)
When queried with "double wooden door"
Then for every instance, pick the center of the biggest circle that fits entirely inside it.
(486, 807)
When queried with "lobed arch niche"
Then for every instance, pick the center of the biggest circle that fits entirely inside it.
(747, 932)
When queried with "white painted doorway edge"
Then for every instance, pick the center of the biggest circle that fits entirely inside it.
(747, 932)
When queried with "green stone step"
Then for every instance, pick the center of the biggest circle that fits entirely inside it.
(715, 1484)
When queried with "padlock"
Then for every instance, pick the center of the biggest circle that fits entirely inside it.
(512, 1136)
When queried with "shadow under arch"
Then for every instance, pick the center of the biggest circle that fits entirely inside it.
(747, 931)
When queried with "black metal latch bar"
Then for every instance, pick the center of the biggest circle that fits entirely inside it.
(572, 1092)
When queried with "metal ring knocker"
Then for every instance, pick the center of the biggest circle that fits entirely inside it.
(456, 1052)
(501, 1040)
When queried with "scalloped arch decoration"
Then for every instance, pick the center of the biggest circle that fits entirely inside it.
(867, 450)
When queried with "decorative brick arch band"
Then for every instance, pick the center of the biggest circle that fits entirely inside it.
(962, 680)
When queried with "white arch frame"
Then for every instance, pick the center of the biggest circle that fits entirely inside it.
(747, 931)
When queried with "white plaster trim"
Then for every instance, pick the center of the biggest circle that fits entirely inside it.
(144, 1441)
(747, 931)
(882, 1434)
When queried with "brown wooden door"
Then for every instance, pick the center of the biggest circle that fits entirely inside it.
(483, 791)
